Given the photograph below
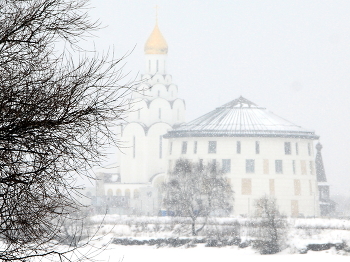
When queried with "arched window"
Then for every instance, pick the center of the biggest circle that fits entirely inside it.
(127, 193)
(119, 192)
(110, 192)
(136, 194)
(160, 147)
(134, 147)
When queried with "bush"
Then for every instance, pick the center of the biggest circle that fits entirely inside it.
(272, 229)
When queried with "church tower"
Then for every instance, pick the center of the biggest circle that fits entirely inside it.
(156, 49)
(327, 206)
(155, 110)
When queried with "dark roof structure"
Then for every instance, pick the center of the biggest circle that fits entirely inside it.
(320, 172)
(240, 118)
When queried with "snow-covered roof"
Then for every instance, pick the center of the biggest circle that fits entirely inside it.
(323, 184)
(241, 118)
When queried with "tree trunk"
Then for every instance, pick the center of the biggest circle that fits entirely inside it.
(194, 232)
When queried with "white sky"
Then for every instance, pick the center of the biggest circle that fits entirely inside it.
(290, 56)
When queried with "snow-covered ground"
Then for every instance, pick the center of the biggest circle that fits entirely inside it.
(302, 232)
(203, 254)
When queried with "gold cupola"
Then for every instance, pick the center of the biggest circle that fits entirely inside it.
(156, 43)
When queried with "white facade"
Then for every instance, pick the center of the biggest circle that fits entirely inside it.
(261, 154)
(155, 64)
(154, 110)
(294, 187)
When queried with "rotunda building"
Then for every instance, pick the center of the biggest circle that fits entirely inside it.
(261, 154)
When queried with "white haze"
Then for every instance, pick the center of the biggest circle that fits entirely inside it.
(292, 57)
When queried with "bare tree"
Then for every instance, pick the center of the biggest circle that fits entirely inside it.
(272, 226)
(55, 116)
(194, 191)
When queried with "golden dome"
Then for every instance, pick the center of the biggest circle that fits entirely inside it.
(156, 43)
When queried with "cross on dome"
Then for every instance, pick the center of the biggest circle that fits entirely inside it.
(156, 7)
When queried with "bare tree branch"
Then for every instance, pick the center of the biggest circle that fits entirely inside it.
(55, 117)
(196, 191)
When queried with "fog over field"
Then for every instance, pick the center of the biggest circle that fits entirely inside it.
(292, 57)
(174, 130)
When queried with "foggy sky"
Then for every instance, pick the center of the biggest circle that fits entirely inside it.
(292, 57)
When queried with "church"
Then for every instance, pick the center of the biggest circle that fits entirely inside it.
(259, 152)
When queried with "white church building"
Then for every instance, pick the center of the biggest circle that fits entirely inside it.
(261, 153)
(155, 109)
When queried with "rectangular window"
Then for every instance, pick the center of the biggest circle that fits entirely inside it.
(246, 186)
(134, 147)
(184, 147)
(195, 147)
(311, 164)
(266, 166)
(169, 167)
(201, 164)
(157, 65)
(238, 147)
(295, 208)
(226, 165)
(287, 148)
(297, 187)
(249, 166)
(278, 167)
(257, 147)
(310, 186)
(171, 148)
(159, 113)
(294, 169)
(139, 114)
(212, 147)
(213, 162)
(297, 148)
(309, 149)
(303, 167)
(324, 193)
(160, 147)
(272, 186)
